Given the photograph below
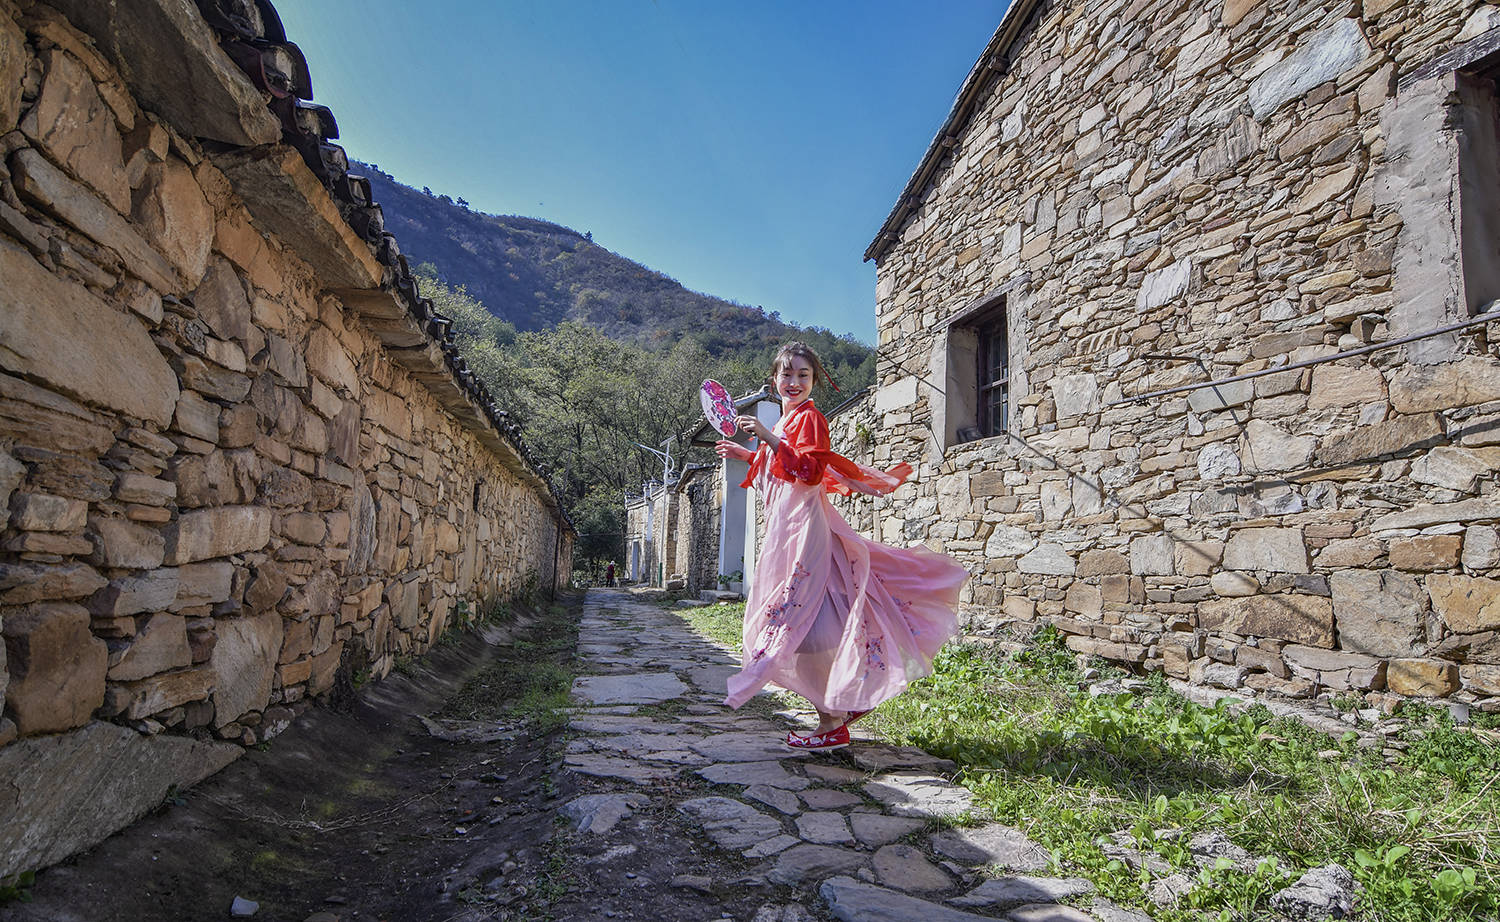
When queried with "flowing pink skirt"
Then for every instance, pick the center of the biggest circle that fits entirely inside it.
(839, 619)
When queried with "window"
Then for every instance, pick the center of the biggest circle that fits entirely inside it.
(1439, 175)
(979, 392)
(1478, 113)
(993, 375)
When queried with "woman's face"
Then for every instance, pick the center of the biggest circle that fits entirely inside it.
(794, 380)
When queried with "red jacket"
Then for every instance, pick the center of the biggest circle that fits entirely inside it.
(804, 454)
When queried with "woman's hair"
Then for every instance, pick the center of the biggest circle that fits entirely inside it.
(804, 351)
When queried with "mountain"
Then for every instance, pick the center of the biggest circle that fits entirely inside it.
(536, 274)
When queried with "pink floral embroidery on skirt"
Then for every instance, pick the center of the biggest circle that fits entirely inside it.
(774, 633)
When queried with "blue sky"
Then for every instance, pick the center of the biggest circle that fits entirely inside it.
(749, 150)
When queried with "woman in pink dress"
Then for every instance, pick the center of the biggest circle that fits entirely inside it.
(839, 619)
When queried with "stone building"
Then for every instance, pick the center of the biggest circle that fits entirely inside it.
(672, 531)
(240, 462)
(1124, 307)
(702, 525)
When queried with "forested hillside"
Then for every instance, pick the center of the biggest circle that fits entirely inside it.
(591, 353)
(586, 403)
(535, 275)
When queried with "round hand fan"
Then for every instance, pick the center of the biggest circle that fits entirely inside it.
(717, 406)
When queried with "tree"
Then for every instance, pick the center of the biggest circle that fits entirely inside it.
(586, 401)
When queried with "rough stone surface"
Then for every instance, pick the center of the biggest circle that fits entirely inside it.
(1377, 611)
(56, 667)
(175, 217)
(72, 123)
(1423, 678)
(779, 798)
(1046, 559)
(1426, 553)
(771, 774)
(644, 688)
(1296, 617)
(151, 591)
(122, 543)
(244, 664)
(1466, 604)
(1422, 516)
(852, 901)
(12, 68)
(1327, 892)
(1014, 891)
(906, 868)
(77, 344)
(828, 799)
(54, 814)
(876, 829)
(1266, 448)
(731, 824)
(824, 828)
(1420, 388)
(217, 532)
(992, 845)
(205, 583)
(598, 813)
(802, 864)
(1318, 59)
(224, 105)
(1452, 468)
(1334, 669)
(1481, 548)
(1276, 550)
(162, 691)
(160, 644)
(918, 794)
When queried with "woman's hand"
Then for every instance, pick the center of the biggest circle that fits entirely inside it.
(728, 449)
(756, 428)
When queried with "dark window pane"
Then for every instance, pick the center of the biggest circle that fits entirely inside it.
(992, 363)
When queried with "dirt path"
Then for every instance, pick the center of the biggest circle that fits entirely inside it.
(655, 802)
(360, 814)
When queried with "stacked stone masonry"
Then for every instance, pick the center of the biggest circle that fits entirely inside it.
(686, 542)
(1242, 185)
(225, 491)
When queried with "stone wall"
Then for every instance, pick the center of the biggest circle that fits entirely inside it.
(683, 532)
(1240, 186)
(237, 469)
(853, 428)
(698, 523)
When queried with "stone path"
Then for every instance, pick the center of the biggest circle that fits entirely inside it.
(682, 807)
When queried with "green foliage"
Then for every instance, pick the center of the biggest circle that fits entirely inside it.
(720, 622)
(17, 887)
(587, 402)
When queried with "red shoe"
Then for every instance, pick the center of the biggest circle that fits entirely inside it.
(856, 715)
(836, 738)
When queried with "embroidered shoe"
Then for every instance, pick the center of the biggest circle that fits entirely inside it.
(836, 738)
(856, 715)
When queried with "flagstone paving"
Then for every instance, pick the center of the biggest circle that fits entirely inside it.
(684, 809)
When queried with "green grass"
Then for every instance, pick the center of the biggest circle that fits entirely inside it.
(1421, 834)
(717, 622)
(529, 679)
